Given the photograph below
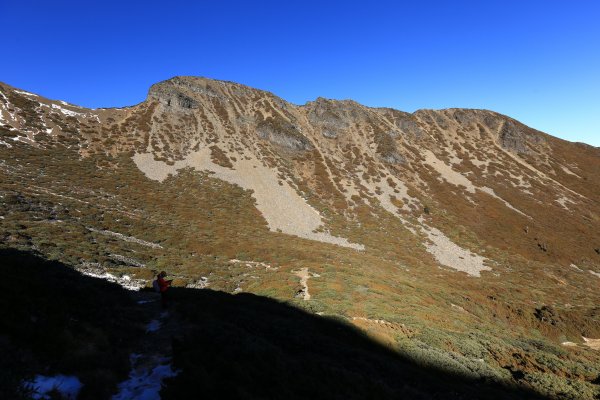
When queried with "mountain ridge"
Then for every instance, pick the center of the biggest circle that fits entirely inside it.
(475, 233)
(322, 125)
(307, 103)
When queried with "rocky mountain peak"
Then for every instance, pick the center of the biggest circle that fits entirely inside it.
(419, 228)
(185, 91)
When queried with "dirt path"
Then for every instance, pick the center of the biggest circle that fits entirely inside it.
(151, 359)
(304, 276)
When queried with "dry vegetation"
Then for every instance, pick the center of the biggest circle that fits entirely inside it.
(506, 326)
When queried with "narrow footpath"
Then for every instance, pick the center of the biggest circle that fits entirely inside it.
(151, 360)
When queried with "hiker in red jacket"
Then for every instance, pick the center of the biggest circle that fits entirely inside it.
(163, 286)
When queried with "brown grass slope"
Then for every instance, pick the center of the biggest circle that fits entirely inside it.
(527, 202)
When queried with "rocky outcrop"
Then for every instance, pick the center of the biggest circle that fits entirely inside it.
(387, 149)
(283, 133)
(323, 115)
(170, 96)
(513, 138)
(409, 127)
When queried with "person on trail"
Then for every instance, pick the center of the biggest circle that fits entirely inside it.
(163, 286)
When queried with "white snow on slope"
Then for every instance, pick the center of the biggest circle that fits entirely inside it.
(26, 93)
(153, 326)
(125, 281)
(4, 106)
(145, 380)
(65, 111)
(67, 386)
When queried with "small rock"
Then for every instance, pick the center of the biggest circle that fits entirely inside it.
(543, 247)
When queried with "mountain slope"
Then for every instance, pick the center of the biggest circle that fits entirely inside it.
(475, 232)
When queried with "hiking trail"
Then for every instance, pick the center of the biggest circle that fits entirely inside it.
(152, 357)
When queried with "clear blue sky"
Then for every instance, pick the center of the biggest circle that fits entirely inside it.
(537, 61)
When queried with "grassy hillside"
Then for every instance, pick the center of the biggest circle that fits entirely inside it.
(390, 291)
(459, 240)
(244, 346)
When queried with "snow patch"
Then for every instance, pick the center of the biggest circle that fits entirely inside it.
(3, 120)
(201, 283)
(67, 386)
(145, 379)
(66, 111)
(26, 93)
(94, 270)
(576, 267)
(4, 105)
(153, 326)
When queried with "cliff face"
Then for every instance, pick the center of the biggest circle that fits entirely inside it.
(468, 206)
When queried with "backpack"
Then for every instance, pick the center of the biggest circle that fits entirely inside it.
(156, 286)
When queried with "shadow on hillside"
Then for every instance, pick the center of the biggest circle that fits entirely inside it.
(55, 320)
(240, 346)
